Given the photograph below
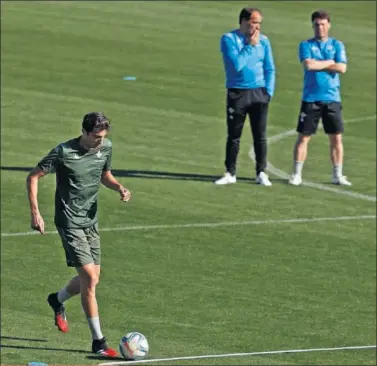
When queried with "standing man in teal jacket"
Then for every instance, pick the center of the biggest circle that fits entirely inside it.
(250, 82)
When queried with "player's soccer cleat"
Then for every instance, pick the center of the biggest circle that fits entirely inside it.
(226, 179)
(295, 180)
(341, 180)
(263, 180)
(59, 311)
(100, 348)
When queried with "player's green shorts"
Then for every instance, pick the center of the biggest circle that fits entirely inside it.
(81, 246)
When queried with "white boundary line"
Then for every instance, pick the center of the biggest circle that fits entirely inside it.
(238, 355)
(281, 174)
(210, 224)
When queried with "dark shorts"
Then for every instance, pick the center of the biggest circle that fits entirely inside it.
(81, 246)
(311, 112)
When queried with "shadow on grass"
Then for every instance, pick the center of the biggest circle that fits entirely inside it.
(104, 358)
(45, 349)
(150, 174)
(23, 339)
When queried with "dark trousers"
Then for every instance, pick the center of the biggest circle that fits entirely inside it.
(240, 103)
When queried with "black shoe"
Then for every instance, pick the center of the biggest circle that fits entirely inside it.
(59, 311)
(100, 347)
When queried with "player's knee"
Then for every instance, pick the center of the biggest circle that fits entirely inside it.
(91, 285)
(336, 140)
(261, 139)
(303, 139)
(89, 280)
(235, 140)
(94, 280)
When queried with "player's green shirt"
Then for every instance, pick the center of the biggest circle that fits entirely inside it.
(78, 178)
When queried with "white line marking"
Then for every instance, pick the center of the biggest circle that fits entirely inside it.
(239, 355)
(211, 224)
(281, 174)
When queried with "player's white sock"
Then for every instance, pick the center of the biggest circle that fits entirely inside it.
(95, 328)
(63, 295)
(297, 170)
(337, 170)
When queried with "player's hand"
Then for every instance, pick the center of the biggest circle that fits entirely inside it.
(254, 37)
(37, 222)
(125, 194)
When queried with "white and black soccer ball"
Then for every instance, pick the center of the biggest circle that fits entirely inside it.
(134, 346)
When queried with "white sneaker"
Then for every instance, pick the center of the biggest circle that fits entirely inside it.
(295, 180)
(226, 179)
(341, 180)
(263, 180)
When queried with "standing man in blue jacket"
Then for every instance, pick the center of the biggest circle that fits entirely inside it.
(324, 58)
(250, 82)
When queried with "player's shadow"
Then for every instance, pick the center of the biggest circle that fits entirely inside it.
(151, 174)
(148, 174)
(101, 358)
(16, 168)
(23, 339)
(45, 348)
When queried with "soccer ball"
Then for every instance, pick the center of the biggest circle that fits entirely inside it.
(134, 346)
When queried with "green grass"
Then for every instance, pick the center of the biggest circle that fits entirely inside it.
(194, 290)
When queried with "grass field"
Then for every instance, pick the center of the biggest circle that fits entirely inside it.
(262, 279)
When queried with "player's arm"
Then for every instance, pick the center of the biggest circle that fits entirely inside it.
(339, 67)
(109, 181)
(340, 64)
(237, 60)
(316, 65)
(32, 179)
(308, 62)
(269, 69)
(47, 165)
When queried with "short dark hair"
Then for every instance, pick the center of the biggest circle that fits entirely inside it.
(246, 13)
(95, 121)
(320, 14)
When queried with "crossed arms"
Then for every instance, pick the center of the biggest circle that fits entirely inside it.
(327, 65)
